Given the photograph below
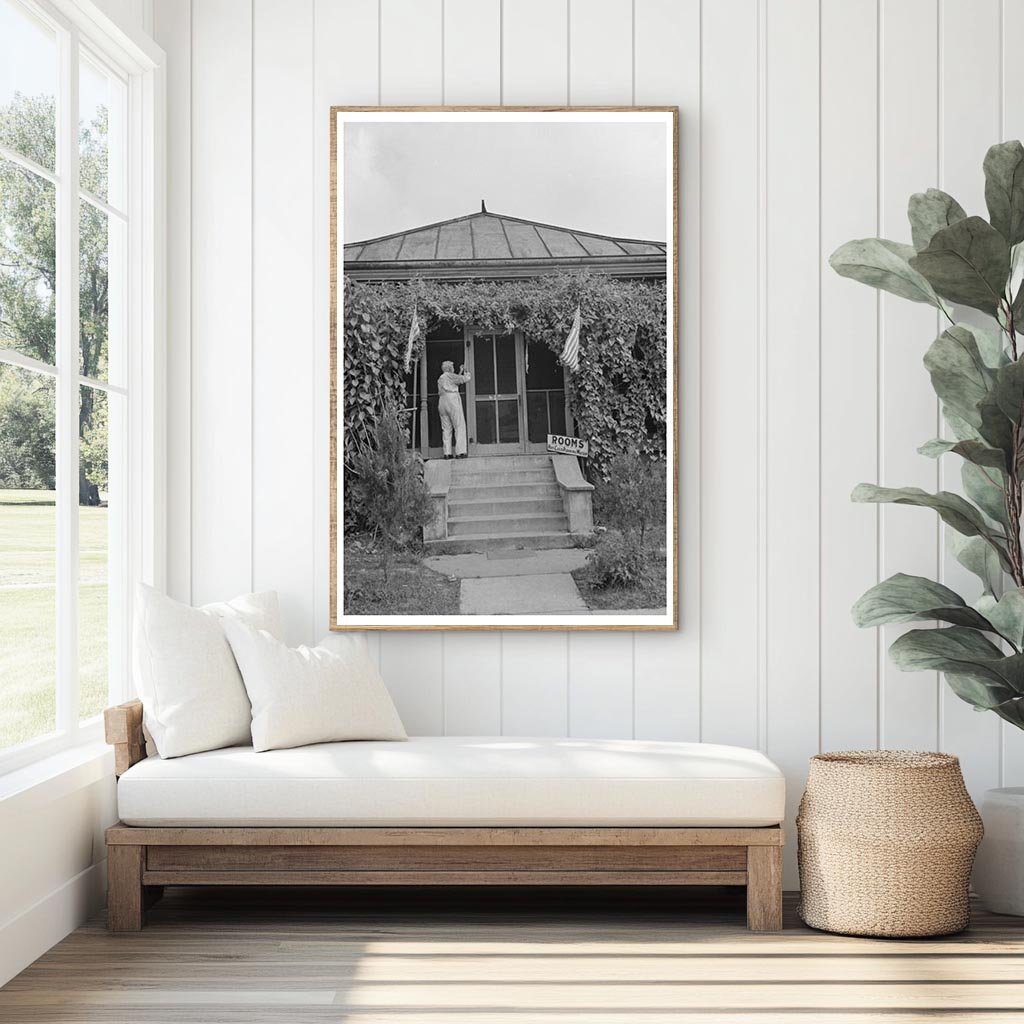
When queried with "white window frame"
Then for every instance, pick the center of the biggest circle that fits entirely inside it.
(140, 64)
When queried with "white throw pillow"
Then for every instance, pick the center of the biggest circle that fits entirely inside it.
(192, 693)
(309, 694)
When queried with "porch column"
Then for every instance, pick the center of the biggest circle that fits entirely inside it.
(423, 403)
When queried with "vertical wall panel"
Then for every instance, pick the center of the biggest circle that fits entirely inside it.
(221, 529)
(534, 51)
(472, 684)
(969, 124)
(173, 29)
(411, 71)
(667, 665)
(535, 70)
(410, 56)
(729, 360)
(600, 52)
(849, 368)
(601, 684)
(344, 53)
(909, 414)
(414, 671)
(534, 684)
(472, 48)
(1012, 127)
(472, 661)
(283, 308)
(792, 417)
(601, 668)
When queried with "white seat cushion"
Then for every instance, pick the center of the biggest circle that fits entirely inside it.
(458, 780)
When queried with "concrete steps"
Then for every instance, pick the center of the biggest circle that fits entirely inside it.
(499, 542)
(497, 478)
(499, 463)
(503, 502)
(530, 522)
(504, 492)
(499, 506)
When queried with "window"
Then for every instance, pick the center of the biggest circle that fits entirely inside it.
(72, 404)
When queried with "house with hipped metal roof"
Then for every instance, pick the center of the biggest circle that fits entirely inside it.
(489, 245)
(519, 392)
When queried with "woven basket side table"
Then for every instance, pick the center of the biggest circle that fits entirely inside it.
(886, 841)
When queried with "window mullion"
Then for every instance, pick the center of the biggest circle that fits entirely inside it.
(67, 386)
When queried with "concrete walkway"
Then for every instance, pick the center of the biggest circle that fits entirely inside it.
(509, 562)
(515, 582)
(546, 594)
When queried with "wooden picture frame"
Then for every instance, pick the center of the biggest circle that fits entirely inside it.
(379, 262)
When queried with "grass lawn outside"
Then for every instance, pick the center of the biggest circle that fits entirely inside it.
(412, 589)
(28, 613)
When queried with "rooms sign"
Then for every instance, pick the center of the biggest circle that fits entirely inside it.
(563, 445)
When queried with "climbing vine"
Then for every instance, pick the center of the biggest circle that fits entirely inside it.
(618, 394)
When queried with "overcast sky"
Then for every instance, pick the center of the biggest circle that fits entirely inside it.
(608, 178)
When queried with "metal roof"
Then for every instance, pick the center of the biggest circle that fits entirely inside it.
(489, 244)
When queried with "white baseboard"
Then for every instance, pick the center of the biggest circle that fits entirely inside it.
(26, 937)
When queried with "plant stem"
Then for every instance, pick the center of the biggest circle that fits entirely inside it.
(1012, 495)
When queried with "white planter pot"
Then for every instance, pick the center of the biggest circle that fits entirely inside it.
(999, 867)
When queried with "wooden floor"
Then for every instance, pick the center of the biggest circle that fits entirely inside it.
(269, 956)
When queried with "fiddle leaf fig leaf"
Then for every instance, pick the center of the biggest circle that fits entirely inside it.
(958, 371)
(903, 598)
(883, 264)
(967, 263)
(996, 427)
(977, 556)
(1009, 390)
(962, 430)
(1006, 614)
(929, 212)
(1004, 189)
(982, 693)
(984, 486)
(990, 345)
(952, 509)
(1013, 285)
(973, 451)
(963, 652)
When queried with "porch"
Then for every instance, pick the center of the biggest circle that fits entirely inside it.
(515, 397)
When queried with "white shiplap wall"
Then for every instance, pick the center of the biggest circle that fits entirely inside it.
(804, 123)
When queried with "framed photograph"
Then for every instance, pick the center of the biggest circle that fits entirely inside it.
(504, 422)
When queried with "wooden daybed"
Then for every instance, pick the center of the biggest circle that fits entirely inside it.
(182, 849)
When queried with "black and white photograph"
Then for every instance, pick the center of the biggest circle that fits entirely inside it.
(503, 357)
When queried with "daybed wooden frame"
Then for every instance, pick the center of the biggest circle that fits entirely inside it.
(143, 860)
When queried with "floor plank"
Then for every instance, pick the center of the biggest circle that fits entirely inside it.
(497, 957)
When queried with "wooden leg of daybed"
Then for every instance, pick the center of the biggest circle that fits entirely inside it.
(125, 896)
(764, 888)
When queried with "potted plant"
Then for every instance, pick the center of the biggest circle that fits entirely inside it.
(977, 372)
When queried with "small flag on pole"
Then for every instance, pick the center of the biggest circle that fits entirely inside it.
(414, 333)
(571, 349)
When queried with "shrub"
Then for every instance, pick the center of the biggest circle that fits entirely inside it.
(617, 560)
(384, 483)
(632, 499)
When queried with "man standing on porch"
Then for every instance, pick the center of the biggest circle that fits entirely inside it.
(449, 405)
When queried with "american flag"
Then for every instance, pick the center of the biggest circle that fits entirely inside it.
(414, 333)
(571, 349)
